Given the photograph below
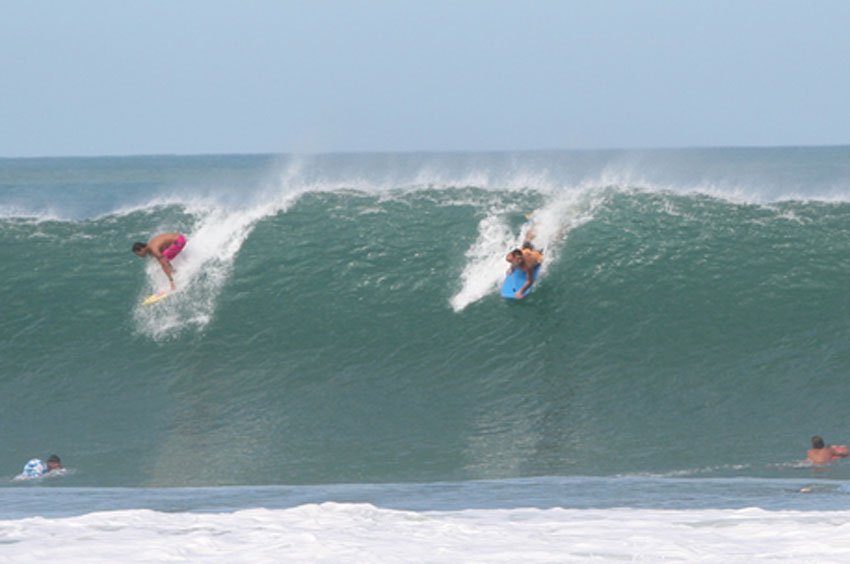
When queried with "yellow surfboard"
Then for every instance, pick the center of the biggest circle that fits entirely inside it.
(153, 298)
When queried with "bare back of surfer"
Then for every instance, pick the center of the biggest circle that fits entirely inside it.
(164, 248)
(821, 453)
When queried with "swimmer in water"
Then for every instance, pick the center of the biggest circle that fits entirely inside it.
(821, 453)
(37, 468)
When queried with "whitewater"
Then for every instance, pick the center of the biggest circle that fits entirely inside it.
(337, 380)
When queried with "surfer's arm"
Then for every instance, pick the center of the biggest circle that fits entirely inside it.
(529, 280)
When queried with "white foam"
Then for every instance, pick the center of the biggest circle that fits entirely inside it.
(485, 267)
(20, 213)
(362, 533)
(485, 261)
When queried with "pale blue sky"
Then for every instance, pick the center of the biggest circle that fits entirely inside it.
(189, 76)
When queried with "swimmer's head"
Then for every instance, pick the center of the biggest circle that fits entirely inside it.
(139, 248)
(54, 462)
(817, 442)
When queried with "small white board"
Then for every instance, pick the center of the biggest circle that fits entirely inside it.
(153, 298)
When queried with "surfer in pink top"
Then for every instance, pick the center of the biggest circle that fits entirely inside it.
(164, 248)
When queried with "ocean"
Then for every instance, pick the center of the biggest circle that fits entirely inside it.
(336, 378)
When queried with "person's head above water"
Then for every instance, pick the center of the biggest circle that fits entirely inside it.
(54, 462)
(817, 442)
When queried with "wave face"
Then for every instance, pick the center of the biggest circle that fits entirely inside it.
(338, 318)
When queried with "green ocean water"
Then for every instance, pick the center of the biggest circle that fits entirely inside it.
(338, 318)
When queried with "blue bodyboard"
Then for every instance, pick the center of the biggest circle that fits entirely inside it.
(517, 280)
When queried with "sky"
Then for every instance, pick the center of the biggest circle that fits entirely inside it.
(89, 78)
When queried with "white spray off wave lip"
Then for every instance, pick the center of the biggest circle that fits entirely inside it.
(221, 227)
(485, 267)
